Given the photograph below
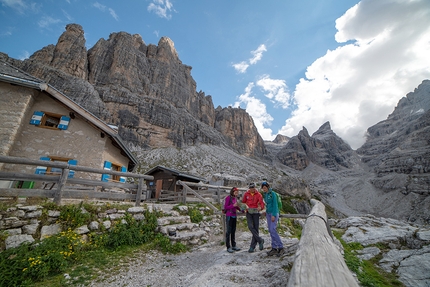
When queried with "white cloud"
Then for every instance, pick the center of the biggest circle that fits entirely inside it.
(24, 55)
(18, 5)
(47, 21)
(103, 8)
(257, 55)
(241, 67)
(359, 84)
(162, 8)
(113, 14)
(276, 91)
(68, 17)
(257, 110)
(99, 6)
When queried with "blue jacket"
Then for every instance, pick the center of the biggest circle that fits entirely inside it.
(271, 202)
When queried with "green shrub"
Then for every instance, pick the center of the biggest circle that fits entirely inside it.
(28, 263)
(163, 243)
(368, 274)
(71, 216)
(195, 215)
(132, 232)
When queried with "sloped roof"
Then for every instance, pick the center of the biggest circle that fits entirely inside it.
(175, 172)
(13, 75)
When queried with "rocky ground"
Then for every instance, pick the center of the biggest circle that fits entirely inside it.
(207, 265)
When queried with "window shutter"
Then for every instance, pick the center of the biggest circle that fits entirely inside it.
(72, 172)
(64, 123)
(42, 169)
(107, 165)
(36, 118)
(123, 178)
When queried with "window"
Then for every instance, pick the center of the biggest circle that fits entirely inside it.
(50, 120)
(114, 167)
(54, 170)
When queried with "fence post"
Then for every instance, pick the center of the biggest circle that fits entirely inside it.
(184, 195)
(139, 191)
(61, 182)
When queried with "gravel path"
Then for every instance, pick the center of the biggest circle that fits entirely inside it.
(207, 265)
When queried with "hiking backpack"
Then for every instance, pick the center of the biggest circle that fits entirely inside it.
(223, 203)
(279, 199)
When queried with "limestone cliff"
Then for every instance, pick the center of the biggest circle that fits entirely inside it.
(143, 89)
(323, 148)
(397, 149)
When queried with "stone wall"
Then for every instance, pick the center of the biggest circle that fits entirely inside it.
(29, 223)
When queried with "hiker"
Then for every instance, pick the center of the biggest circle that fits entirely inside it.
(272, 216)
(254, 200)
(230, 207)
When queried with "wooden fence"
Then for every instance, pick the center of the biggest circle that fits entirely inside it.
(64, 187)
(318, 261)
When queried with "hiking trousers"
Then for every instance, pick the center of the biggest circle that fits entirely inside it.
(276, 240)
(253, 221)
(230, 235)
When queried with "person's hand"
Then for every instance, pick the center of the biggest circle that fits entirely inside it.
(259, 208)
(263, 213)
(273, 218)
(235, 204)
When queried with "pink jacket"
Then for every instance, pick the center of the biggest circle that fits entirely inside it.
(229, 206)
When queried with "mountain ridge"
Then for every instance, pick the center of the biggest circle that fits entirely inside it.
(151, 96)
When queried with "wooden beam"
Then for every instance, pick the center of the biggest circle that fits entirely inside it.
(198, 195)
(318, 261)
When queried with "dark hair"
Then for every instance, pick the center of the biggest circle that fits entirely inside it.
(265, 184)
(233, 190)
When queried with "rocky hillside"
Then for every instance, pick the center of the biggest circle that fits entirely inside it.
(150, 95)
(143, 89)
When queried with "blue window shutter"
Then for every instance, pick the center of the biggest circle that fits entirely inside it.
(123, 178)
(107, 165)
(64, 123)
(36, 118)
(42, 169)
(72, 172)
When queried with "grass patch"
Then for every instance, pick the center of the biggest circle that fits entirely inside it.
(44, 263)
(368, 274)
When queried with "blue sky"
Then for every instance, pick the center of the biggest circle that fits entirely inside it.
(291, 64)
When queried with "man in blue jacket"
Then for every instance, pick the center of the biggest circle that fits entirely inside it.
(272, 216)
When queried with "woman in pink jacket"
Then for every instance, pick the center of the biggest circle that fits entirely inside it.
(230, 207)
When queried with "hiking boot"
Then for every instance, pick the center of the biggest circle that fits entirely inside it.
(236, 248)
(261, 244)
(230, 250)
(272, 252)
(251, 250)
(280, 252)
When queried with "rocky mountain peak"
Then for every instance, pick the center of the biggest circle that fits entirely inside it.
(323, 148)
(145, 90)
(324, 129)
(166, 50)
(397, 149)
(69, 55)
(281, 139)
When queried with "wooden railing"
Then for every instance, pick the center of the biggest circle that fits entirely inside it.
(318, 261)
(135, 190)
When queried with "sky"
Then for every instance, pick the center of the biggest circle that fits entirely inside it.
(290, 64)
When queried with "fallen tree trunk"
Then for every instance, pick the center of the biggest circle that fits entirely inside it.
(318, 261)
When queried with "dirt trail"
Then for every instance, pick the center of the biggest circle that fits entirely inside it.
(208, 265)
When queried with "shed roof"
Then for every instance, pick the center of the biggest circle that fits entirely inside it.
(175, 172)
(13, 75)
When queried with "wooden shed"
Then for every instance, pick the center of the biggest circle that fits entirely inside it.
(164, 183)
